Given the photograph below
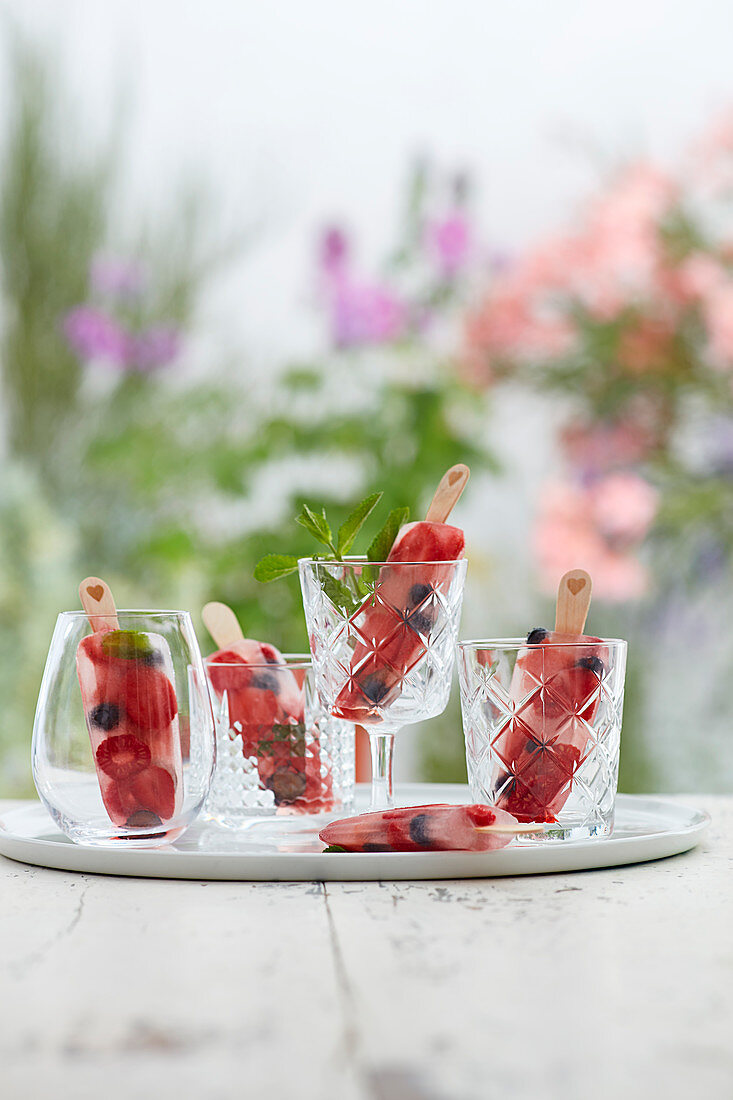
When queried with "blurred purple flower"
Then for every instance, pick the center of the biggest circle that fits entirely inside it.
(364, 314)
(116, 278)
(334, 251)
(449, 241)
(93, 334)
(156, 347)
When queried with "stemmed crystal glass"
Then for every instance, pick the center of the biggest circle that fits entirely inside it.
(125, 760)
(383, 636)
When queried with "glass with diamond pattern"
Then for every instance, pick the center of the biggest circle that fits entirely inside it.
(382, 636)
(279, 753)
(542, 725)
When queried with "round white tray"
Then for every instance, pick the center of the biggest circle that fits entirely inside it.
(646, 828)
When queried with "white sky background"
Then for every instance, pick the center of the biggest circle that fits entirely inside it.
(301, 111)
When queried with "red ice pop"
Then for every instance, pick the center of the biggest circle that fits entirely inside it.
(266, 706)
(556, 690)
(424, 829)
(131, 711)
(396, 629)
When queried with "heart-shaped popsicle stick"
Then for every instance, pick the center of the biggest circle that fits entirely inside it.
(451, 485)
(573, 601)
(222, 624)
(98, 602)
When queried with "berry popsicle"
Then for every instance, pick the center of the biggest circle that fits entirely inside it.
(555, 687)
(396, 627)
(425, 829)
(126, 679)
(266, 706)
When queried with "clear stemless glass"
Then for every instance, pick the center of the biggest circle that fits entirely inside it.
(279, 752)
(383, 636)
(123, 740)
(543, 726)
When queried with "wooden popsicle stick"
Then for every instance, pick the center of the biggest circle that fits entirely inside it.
(98, 602)
(451, 485)
(222, 624)
(518, 828)
(573, 601)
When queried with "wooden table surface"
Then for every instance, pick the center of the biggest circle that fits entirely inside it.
(611, 983)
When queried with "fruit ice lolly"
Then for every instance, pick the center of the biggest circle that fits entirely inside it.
(131, 711)
(266, 705)
(397, 627)
(424, 829)
(555, 688)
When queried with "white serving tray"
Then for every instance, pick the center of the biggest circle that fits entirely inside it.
(646, 828)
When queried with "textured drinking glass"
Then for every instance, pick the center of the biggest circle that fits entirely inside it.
(279, 751)
(383, 635)
(123, 740)
(543, 727)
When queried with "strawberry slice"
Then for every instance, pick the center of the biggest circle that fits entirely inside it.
(149, 698)
(153, 789)
(122, 757)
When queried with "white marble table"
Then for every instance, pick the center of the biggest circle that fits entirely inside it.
(611, 983)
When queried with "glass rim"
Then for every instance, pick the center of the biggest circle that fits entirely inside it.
(153, 613)
(293, 660)
(362, 560)
(522, 643)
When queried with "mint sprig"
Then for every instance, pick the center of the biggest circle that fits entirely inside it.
(382, 543)
(353, 524)
(274, 566)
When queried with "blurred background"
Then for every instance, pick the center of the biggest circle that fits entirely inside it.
(256, 255)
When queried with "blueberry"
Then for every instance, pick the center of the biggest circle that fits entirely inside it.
(265, 681)
(419, 829)
(143, 819)
(106, 716)
(374, 688)
(287, 785)
(418, 593)
(370, 846)
(537, 636)
(420, 623)
(154, 658)
(593, 664)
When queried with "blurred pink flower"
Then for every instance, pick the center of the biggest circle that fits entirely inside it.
(363, 314)
(449, 241)
(600, 447)
(586, 528)
(155, 347)
(699, 275)
(334, 251)
(624, 506)
(95, 336)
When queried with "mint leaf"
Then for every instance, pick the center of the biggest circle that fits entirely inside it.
(353, 524)
(334, 848)
(339, 594)
(382, 543)
(274, 566)
(317, 525)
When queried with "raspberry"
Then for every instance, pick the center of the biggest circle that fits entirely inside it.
(122, 757)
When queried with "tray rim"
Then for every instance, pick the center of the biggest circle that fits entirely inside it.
(248, 866)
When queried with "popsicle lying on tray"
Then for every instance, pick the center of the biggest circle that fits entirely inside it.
(439, 827)
(556, 691)
(126, 679)
(396, 625)
(266, 706)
